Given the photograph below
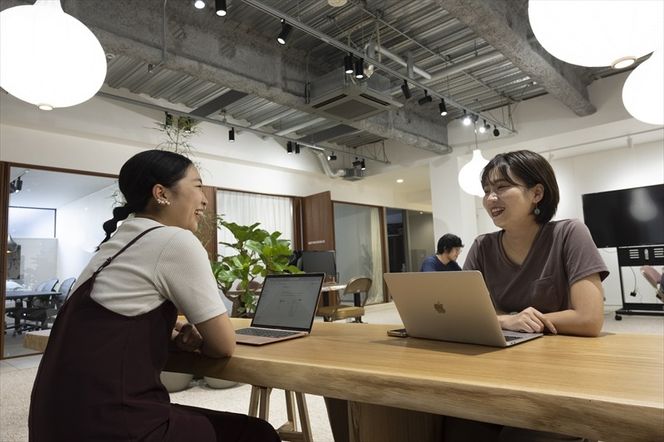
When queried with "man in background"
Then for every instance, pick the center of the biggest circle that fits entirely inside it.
(447, 252)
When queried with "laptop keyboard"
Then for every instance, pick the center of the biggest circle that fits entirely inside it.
(509, 338)
(262, 332)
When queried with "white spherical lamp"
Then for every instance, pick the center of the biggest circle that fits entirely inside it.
(47, 57)
(598, 32)
(643, 92)
(469, 175)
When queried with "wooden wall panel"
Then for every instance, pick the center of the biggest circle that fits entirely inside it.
(318, 222)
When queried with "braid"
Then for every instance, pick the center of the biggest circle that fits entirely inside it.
(119, 213)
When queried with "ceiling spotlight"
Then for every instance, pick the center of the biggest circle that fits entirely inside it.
(285, 31)
(426, 99)
(466, 119)
(168, 120)
(399, 180)
(289, 147)
(443, 108)
(348, 63)
(496, 132)
(199, 4)
(220, 7)
(406, 90)
(357, 162)
(332, 156)
(231, 134)
(297, 148)
(363, 166)
(483, 127)
(16, 185)
(359, 68)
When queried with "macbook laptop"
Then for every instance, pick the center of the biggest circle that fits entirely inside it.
(450, 306)
(286, 309)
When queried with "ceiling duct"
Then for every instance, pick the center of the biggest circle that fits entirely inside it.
(336, 96)
(353, 174)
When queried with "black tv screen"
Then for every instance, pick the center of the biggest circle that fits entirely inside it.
(320, 261)
(628, 217)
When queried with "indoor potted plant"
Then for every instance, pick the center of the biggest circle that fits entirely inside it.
(259, 253)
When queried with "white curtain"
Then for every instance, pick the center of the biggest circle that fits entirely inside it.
(273, 212)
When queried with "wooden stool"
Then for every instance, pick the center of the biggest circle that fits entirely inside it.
(259, 406)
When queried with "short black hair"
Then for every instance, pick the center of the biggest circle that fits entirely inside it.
(447, 242)
(532, 169)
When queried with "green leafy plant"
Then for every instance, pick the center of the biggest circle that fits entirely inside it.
(259, 253)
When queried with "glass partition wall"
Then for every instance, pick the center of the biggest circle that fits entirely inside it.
(358, 240)
(54, 226)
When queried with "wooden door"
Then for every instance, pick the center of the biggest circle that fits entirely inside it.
(318, 222)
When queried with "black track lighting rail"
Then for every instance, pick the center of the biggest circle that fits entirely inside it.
(359, 54)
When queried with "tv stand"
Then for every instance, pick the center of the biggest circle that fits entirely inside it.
(639, 256)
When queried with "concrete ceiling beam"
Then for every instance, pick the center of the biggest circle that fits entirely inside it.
(504, 25)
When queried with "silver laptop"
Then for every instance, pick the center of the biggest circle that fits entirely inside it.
(286, 309)
(450, 306)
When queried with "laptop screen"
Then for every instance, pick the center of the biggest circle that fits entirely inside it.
(288, 301)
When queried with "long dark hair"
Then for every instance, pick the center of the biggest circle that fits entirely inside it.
(137, 178)
(532, 169)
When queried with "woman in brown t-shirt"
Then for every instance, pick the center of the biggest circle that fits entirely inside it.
(543, 275)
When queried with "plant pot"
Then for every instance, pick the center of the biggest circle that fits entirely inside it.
(219, 383)
(175, 381)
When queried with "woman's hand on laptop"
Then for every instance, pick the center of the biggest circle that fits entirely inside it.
(529, 320)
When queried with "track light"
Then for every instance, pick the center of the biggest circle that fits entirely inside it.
(220, 7)
(297, 148)
(332, 156)
(348, 64)
(496, 132)
(16, 185)
(406, 90)
(168, 120)
(443, 108)
(199, 4)
(359, 68)
(289, 147)
(483, 127)
(357, 162)
(231, 134)
(426, 99)
(363, 166)
(285, 31)
(466, 119)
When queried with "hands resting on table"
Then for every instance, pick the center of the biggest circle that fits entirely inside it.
(186, 337)
(529, 320)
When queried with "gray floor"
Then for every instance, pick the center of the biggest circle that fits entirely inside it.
(17, 376)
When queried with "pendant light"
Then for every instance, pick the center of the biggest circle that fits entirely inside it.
(47, 57)
(598, 33)
(643, 92)
(469, 175)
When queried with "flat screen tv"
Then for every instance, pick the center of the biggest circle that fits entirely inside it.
(628, 217)
(320, 261)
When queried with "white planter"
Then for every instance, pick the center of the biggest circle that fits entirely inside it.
(219, 383)
(175, 381)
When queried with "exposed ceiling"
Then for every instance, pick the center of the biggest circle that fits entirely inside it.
(478, 55)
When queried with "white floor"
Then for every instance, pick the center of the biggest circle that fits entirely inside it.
(17, 376)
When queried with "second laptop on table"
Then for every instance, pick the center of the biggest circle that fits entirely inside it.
(450, 306)
(286, 309)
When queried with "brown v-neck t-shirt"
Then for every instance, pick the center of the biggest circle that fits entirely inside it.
(563, 253)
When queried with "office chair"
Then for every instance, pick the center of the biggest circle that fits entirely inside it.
(359, 288)
(655, 279)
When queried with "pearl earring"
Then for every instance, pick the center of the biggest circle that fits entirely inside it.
(163, 202)
(536, 212)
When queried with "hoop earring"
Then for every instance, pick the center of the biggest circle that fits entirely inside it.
(536, 211)
(163, 202)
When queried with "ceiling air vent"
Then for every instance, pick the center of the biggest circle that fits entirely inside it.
(353, 174)
(335, 96)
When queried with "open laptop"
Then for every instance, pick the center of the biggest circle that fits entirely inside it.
(286, 309)
(450, 306)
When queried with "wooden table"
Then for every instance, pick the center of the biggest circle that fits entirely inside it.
(609, 388)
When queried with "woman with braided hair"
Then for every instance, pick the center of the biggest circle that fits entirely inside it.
(99, 376)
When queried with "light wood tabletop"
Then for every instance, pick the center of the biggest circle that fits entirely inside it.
(608, 388)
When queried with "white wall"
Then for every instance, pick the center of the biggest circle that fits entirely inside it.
(79, 230)
(100, 135)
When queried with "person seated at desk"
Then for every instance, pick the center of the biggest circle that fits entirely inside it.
(447, 252)
(99, 376)
(543, 275)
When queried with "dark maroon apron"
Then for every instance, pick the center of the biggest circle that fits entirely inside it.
(99, 376)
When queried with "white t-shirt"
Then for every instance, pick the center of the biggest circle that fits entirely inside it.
(166, 263)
